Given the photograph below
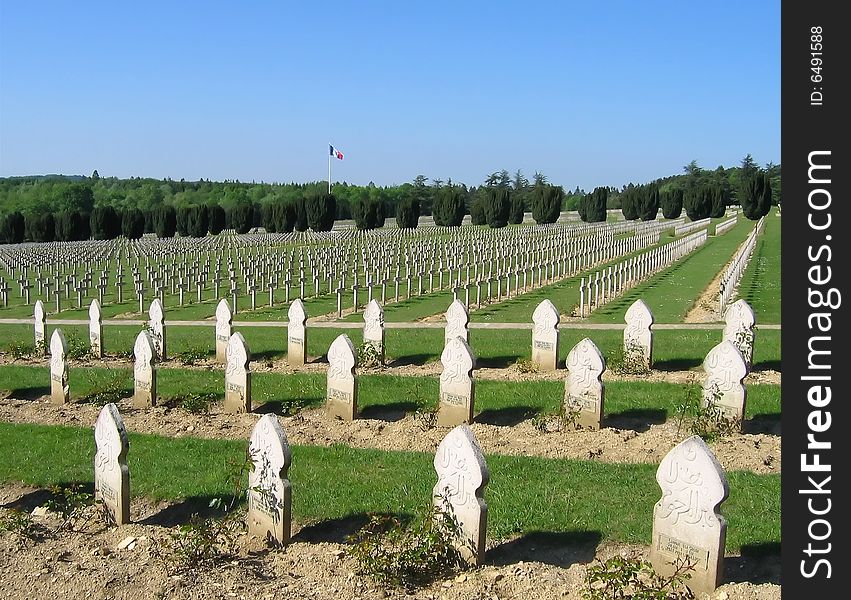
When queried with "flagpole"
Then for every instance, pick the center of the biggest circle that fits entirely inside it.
(329, 171)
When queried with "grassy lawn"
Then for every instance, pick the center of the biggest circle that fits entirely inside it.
(760, 284)
(574, 501)
(671, 293)
(495, 401)
(673, 349)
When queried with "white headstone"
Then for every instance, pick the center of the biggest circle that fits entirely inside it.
(739, 328)
(457, 386)
(583, 388)
(40, 321)
(457, 319)
(687, 523)
(59, 390)
(545, 336)
(223, 330)
(638, 336)
(95, 329)
(373, 327)
(297, 334)
(144, 371)
(462, 475)
(269, 491)
(342, 387)
(156, 324)
(725, 370)
(237, 376)
(112, 477)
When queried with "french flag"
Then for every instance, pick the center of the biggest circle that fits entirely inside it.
(334, 152)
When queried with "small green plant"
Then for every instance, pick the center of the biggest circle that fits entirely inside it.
(368, 356)
(76, 508)
(627, 361)
(632, 578)
(21, 523)
(193, 355)
(702, 415)
(78, 348)
(111, 391)
(194, 402)
(425, 414)
(525, 365)
(556, 420)
(18, 349)
(395, 554)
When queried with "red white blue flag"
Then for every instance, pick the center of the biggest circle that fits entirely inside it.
(335, 152)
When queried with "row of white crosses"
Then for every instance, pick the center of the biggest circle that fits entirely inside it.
(612, 282)
(176, 265)
(733, 273)
(724, 226)
(691, 227)
(687, 522)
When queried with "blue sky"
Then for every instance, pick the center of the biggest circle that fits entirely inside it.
(588, 93)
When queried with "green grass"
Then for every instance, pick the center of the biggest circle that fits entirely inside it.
(570, 501)
(760, 284)
(495, 401)
(673, 349)
(671, 293)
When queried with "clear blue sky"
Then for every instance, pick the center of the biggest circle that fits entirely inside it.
(588, 93)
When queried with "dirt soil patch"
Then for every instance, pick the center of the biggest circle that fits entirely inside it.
(121, 563)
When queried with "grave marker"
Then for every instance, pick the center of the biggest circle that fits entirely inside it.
(373, 327)
(583, 388)
(739, 328)
(457, 386)
(95, 329)
(687, 523)
(40, 323)
(237, 376)
(638, 336)
(545, 336)
(156, 324)
(725, 369)
(457, 319)
(462, 475)
(112, 477)
(297, 334)
(342, 388)
(269, 490)
(59, 389)
(224, 319)
(144, 371)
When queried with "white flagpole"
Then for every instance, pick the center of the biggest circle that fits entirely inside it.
(329, 169)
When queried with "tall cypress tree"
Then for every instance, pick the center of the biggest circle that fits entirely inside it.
(672, 203)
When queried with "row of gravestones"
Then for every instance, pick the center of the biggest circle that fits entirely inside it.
(733, 273)
(691, 227)
(578, 249)
(725, 226)
(687, 522)
(584, 390)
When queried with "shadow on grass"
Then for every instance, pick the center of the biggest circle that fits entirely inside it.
(29, 393)
(506, 417)
(268, 355)
(339, 529)
(290, 406)
(392, 411)
(496, 362)
(560, 549)
(412, 359)
(636, 419)
(767, 365)
(181, 512)
(758, 563)
(768, 423)
(677, 364)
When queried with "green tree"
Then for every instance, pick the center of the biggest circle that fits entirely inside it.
(39, 227)
(183, 220)
(104, 223)
(517, 209)
(697, 202)
(477, 209)
(300, 213)
(132, 223)
(595, 205)
(165, 221)
(321, 211)
(198, 222)
(718, 204)
(648, 206)
(407, 212)
(546, 201)
(241, 217)
(71, 225)
(13, 228)
(672, 203)
(497, 205)
(217, 218)
(756, 201)
(448, 206)
(629, 202)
